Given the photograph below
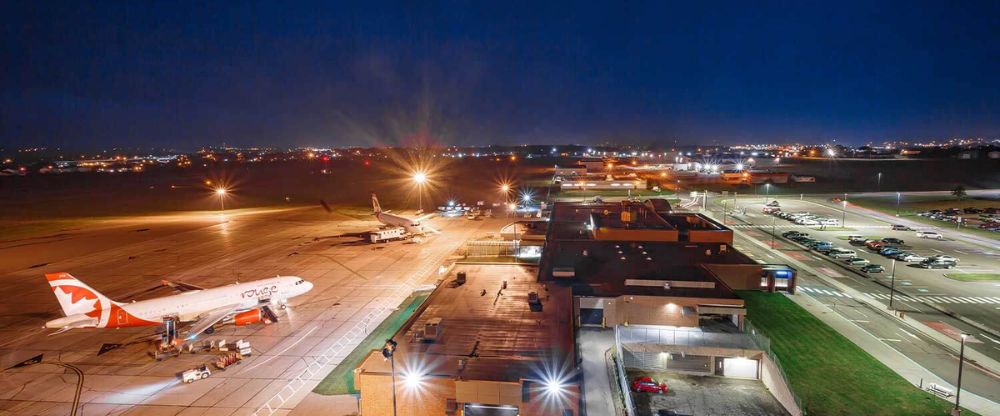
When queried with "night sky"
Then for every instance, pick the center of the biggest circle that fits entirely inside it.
(91, 74)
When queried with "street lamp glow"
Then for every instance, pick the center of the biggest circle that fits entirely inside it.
(526, 198)
(419, 178)
(505, 188)
(413, 380)
(220, 191)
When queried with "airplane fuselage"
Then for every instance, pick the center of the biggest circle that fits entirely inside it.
(185, 307)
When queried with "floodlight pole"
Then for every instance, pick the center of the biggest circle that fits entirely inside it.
(772, 231)
(958, 392)
(892, 285)
(897, 204)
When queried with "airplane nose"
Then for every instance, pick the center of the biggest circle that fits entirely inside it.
(309, 286)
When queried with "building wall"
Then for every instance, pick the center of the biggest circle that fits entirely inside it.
(622, 234)
(738, 276)
(430, 399)
(651, 310)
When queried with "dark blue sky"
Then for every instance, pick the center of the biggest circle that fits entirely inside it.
(88, 74)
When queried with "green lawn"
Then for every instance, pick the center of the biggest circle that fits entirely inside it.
(973, 277)
(341, 379)
(832, 375)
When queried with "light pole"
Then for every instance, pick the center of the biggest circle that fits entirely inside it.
(388, 351)
(878, 183)
(767, 191)
(892, 285)
(420, 178)
(772, 231)
(961, 360)
(221, 192)
(843, 218)
(897, 203)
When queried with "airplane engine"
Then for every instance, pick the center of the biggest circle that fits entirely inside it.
(246, 318)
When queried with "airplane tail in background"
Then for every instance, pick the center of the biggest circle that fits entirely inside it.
(375, 207)
(76, 297)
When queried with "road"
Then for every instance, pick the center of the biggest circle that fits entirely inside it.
(916, 303)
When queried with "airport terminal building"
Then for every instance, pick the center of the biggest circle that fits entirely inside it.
(500, 339)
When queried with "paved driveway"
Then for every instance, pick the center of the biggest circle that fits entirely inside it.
(706, 396)
(596, 385)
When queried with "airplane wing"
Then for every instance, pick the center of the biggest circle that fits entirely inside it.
(181, 286)
(431, 229)
(426, 217)
(210, 318)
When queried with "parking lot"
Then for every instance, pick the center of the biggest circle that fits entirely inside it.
(705, 396)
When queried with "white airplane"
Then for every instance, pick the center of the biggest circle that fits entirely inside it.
(240, 304)
(413, 227)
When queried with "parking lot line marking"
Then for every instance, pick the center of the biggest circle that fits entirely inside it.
(908, 333)
(891, 339)
(989, 338)
(860, 321)
(937, 251)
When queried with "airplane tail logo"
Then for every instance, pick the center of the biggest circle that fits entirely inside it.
(375, 207)
(76, 297)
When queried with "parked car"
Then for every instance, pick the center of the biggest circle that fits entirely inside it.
(889, 250)
(857, 261)
(971, 210)
(892, 240)
(930, 234)
(938, 264)
(874, 245)
(943, 257)
(910, 257)
(790, 234)
(900, 227)
(842, 253)
(647, 385)
(873, 268)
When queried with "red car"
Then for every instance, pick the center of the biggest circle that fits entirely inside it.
(647, 385)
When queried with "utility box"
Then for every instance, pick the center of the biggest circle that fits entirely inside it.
(460, 279)
(433, 330)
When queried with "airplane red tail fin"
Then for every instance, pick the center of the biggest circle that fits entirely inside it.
(76, 297)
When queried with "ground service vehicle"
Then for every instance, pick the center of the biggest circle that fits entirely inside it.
(195, 374)
(388, 234)
(647, 385)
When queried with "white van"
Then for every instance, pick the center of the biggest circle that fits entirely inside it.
(930, 234)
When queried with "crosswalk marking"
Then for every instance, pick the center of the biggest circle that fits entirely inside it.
(906, 298)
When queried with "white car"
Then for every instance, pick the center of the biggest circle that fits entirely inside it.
(843, 254)
(829, 221)
(807, 221)
(930, 234)
(913, 257)
(943, 257)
